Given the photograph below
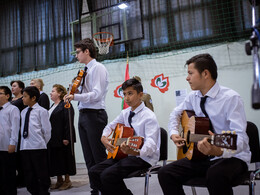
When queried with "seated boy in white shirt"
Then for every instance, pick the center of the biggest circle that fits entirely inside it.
(9, 131)
(111, 172)
(35, 134)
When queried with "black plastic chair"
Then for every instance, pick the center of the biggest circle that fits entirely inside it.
(250, 177)
(154, 169)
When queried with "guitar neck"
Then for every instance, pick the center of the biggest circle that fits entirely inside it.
(199, 137)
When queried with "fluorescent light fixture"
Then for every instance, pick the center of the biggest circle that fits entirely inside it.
(122, 6)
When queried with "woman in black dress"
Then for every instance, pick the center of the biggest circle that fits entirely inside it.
(17, 88)
(44, 99)
(61, 158)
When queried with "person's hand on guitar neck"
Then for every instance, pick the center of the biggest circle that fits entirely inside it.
(107, 143)
(127, 150)
(178, 140)
(208, 149)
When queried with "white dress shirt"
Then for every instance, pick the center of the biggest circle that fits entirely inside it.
(145, 124)
(95, 87)
(226, 112)
(52, 108)
(9, 126)
(39, 131)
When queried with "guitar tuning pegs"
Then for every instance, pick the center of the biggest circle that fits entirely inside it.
(223, 132)
(229, 132)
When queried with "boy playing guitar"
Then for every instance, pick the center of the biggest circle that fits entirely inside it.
(112, 171)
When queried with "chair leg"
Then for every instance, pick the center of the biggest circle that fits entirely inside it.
(146, 185)
(251, 188)
(253, 176)
(193, 189)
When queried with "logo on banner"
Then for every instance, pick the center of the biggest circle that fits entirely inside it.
(118, 92)
(160, 82)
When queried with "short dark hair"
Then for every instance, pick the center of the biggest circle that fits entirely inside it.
(203, 62)
(87, 44)
(133, 83)
(20, 83)
(7, 91)
(32, 91)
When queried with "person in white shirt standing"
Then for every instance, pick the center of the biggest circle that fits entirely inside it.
(9, 131)
(91, 97)
(108, 175)
(35, 133)
(225, 110)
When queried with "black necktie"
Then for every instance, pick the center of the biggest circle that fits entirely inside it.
(26, 123)
(202, 105)
(130, 118)
(83, 78)
(1, 108)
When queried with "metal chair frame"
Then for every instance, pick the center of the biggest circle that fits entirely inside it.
(154, 169)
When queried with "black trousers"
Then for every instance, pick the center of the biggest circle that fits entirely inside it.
(7, 173)
(108, 175)
(20, 174)
(35, 166)
(219, 174)
(91, 125)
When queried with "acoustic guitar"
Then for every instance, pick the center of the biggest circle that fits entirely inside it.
(121, 134)
(195, 129)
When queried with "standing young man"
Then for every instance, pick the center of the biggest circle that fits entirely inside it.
(9, 131)
(35, 134)
(91, 98)
(224, 107)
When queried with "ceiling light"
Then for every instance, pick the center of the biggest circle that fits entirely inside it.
(122, 6)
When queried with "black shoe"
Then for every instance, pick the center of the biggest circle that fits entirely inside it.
(94, 192)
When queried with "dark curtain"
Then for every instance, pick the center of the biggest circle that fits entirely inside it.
(36, 34)
(175, 24)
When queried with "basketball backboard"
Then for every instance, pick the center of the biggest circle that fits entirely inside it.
(126, 25)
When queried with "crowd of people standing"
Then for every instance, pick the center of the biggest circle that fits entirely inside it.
(35, 138)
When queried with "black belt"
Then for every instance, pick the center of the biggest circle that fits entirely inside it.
(90, 110)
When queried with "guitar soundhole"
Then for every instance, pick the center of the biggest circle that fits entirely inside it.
(188, 138)
(184, 149)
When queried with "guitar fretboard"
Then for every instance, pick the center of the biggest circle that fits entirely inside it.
(199, 137)
(120, 141)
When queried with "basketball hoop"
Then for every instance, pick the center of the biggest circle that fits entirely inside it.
(103, 40)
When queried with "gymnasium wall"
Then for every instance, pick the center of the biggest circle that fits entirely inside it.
(234, 68)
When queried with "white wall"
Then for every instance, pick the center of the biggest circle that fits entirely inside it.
(235, 71)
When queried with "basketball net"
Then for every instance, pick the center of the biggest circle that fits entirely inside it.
(103, 40)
